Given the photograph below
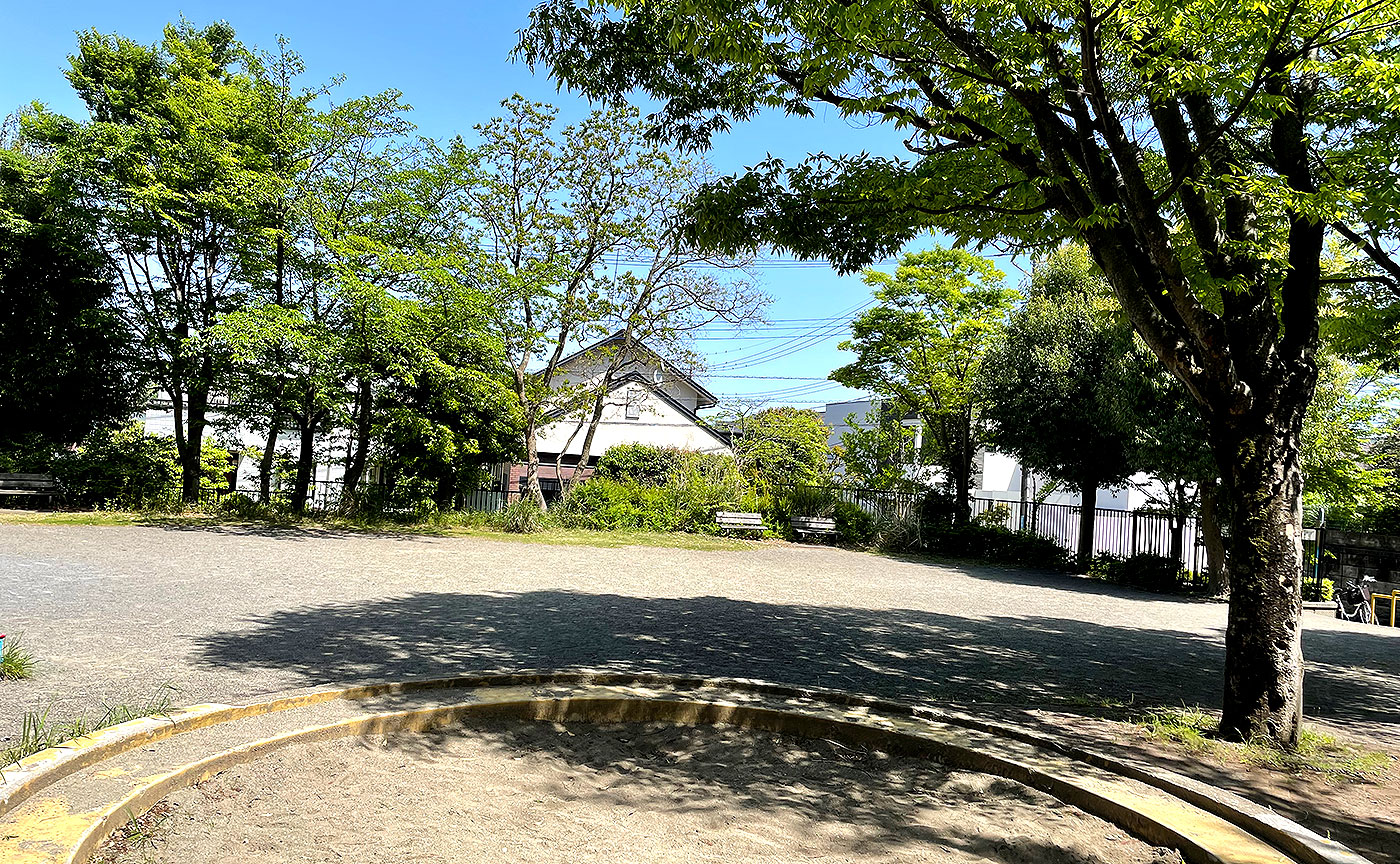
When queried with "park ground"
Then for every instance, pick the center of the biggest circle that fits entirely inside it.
(229, 613)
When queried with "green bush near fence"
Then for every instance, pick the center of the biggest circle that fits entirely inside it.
(130, 469)
(997, 545)
(1145, 570)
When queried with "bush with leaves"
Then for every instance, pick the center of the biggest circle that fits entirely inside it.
(639, 463)
(1145, 570)
(132, 469)
(854, 526)
(523, 517)
(998, 545)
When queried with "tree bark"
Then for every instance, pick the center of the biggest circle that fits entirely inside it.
(1217, 571)
(1088, 493)
(1263, 639)
(306, 461)
(269, 459)
(532, 468)
(355, 466)
(191, 454)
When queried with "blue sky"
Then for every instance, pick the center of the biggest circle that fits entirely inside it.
(450, 60)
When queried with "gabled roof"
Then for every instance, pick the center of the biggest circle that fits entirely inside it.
(723, 436)
(706, 400)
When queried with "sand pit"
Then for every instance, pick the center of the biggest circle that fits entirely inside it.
(538, 792)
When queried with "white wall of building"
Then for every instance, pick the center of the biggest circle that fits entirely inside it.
(650, 420)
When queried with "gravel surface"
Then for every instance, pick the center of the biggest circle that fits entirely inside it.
(228, 614)
(508, 792)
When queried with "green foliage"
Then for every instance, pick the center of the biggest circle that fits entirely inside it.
(638, 463)
(1063, 384)
(130, 469)
(921, 348)
(783, 447)
(524, 516)
(67, 366)
(994, 516)
(854, 526)
(603, 504)
(1349, 427)
(878, 451)
(16, 661)
(997, 545)
(692, 489)
(1145, 570)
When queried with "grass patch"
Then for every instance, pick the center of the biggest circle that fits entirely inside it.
(37, 732)
(434, 525)
(1317, 752)
(16, 662)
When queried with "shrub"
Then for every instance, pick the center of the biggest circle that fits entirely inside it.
(995, 516)
(809, 501)
(999, 545)
(523, 517)
(854, 526)
(240, 506)
(637, 463)
(1314, 593)
(1144, 570)
(129, 468)
(604, 504)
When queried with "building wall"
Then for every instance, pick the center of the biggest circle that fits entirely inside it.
(1000, 474)
(656, 422)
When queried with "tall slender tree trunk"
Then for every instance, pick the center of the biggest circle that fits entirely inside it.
(191, 454)
(1088, 494)
(1263, 639)
(268, 461)
(532, 467)
(355, 465)
(1217, 571)
(306, 462)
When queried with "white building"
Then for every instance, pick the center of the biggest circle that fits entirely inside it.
(648, 400)
(996, 475)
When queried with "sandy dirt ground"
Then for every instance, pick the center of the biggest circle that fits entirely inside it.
(505, 792)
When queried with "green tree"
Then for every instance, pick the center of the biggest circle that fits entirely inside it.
(1344, 441)
(782, 447)
(922, 346)
(556, 211)
(1202, 152)
(169, 165)
(1061, 386)
(67, 368)
(880, 452)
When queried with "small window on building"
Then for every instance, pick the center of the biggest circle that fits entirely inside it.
(634, 407)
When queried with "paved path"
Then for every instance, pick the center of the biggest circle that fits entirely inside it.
(226, 614)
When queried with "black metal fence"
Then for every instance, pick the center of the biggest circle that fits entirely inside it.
(1123, 533)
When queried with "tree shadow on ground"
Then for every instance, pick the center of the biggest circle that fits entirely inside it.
(906, 654)
(876, 804)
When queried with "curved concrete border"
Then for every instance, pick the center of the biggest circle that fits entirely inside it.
(42, 769)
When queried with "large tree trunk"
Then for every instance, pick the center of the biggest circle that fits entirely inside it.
(1088, 495)
(1263, 640)
(355, 466)
(191, 454)
(269, 459)
(306, 461)
(1217, 572)
(532, 468)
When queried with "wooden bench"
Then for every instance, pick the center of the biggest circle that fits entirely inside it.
(728, 521)
(815, 526)
(17, 488)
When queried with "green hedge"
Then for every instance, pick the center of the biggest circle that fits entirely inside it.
(1144, 570)
(998, 545)
(130, 469)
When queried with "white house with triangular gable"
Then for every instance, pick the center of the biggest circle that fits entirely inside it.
(648, 400)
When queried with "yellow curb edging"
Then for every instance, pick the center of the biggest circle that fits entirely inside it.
(47, 767)
(1115, 806)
